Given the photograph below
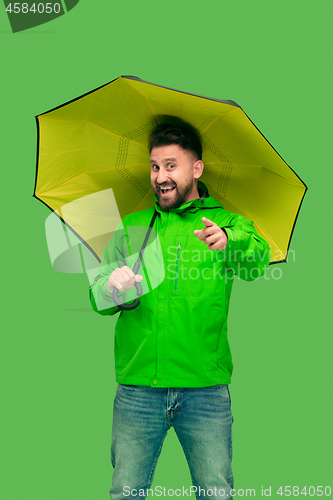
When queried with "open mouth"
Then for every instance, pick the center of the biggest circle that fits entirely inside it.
(166, 191)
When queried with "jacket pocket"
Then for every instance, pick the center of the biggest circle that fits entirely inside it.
(197, 270)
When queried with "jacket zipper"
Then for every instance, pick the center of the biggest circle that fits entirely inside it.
(177, 266)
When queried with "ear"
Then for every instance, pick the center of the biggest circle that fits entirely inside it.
(198, 169)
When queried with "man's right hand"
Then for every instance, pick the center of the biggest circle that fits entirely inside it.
(123, 278)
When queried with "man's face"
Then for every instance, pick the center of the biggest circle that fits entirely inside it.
(173, 171)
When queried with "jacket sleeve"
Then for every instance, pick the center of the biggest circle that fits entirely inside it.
(247, 253)
(113, 257)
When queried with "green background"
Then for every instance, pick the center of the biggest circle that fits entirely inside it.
(58, 381)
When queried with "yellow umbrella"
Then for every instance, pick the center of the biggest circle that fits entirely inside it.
(100, 141)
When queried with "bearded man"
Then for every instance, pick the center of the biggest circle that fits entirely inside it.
(173, 361)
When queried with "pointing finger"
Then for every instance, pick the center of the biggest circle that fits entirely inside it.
(207, 222)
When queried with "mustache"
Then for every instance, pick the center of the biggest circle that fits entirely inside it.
(164, 185)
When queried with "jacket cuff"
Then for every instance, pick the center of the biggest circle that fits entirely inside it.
(237, 239)
(225, 232)
(230, 236)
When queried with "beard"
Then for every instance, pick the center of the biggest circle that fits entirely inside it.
(175, 199)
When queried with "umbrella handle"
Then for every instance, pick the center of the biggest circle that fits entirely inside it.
(127, 307)
(139, 291)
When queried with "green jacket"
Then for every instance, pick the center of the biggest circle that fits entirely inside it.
(177, 336)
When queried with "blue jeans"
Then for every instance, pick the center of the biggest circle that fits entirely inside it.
(202, 420)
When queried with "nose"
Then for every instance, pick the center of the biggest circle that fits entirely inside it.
(162, 176)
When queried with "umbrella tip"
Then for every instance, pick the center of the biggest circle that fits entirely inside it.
(130, 77)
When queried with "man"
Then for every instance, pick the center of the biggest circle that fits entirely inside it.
(173, 361)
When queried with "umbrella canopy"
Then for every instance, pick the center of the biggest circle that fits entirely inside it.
(100, 141)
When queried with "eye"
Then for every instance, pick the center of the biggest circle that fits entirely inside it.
(155, 167)
(171, 165)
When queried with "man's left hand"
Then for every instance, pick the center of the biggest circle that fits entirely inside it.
(212, 235)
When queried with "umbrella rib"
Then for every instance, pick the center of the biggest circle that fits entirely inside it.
(144, 198)
(171, 90)
(219, 116)
(95, 171)
(299, 184)
(203, 131)
(138, 91)
(234, 164)
(234, 205)
(97, 126)
(242, 210)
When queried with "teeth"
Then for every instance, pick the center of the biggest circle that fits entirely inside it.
(167, 189)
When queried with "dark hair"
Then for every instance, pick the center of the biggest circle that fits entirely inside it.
(183, 135)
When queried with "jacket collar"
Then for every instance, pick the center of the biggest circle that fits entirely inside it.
(205, 201)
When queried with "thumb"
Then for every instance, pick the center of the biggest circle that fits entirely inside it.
(196, 232)
(138, 277)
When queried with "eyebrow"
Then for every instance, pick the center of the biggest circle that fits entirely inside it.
(164, 161)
